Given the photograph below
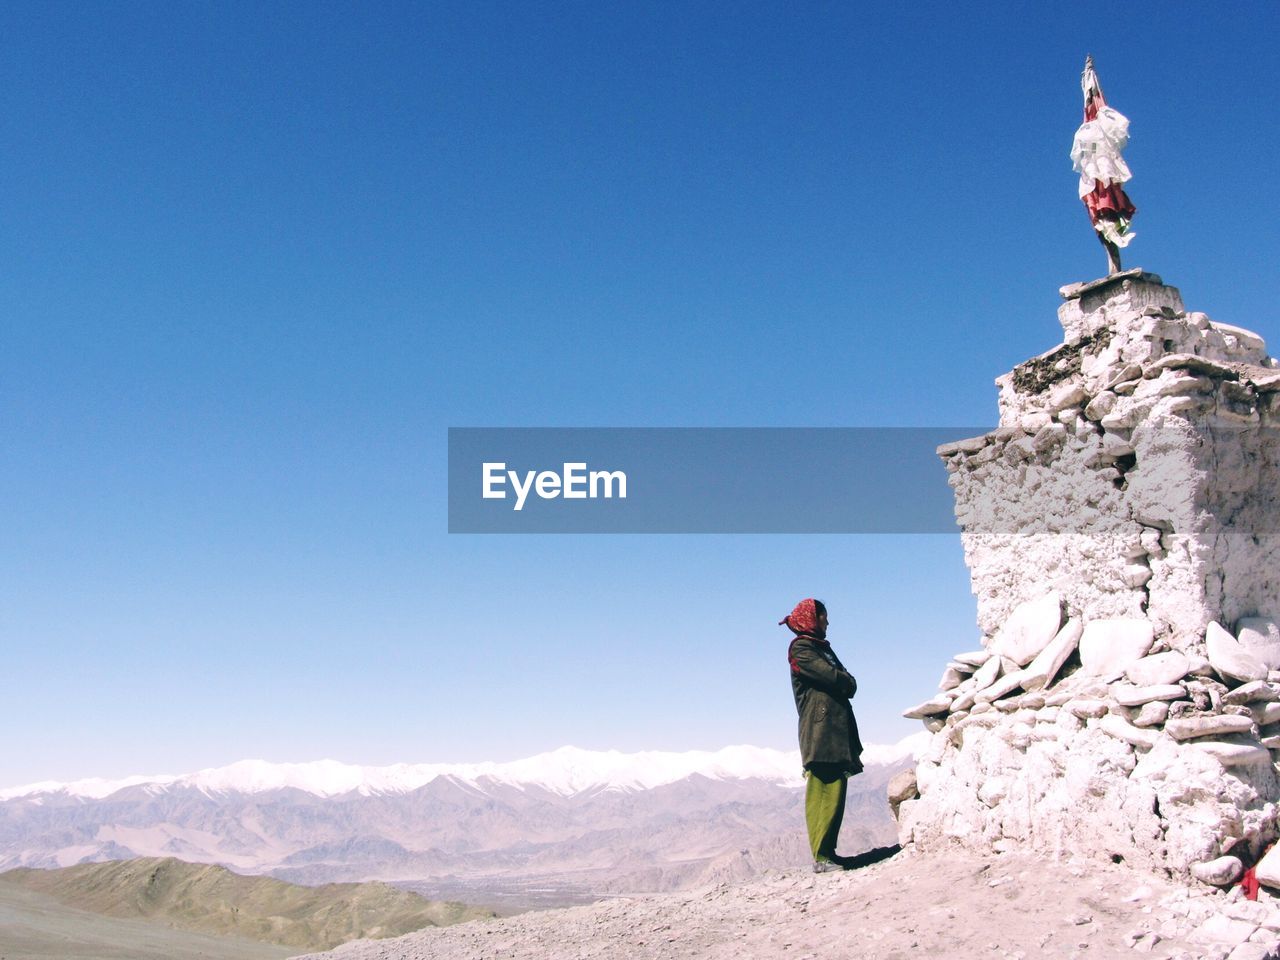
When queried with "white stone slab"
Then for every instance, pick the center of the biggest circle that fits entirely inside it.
(1268, 869)
(1221, 929)
(986, 674)
(1109, 647)
(1129, 695)
(1030, 627)
(939, 704)
(1085, 708)
(1006, 684)
(1232, 754)
(1130, 372)
(1041, 671)
(1255, 691)
(1066, 395)
(964, 701)
(1265, 713)
(1218, 872)
(1246, 338)
(1159, 668)
(1200, 666)
(1152, 714)
(1229, 657)
(1184, 728)
(1100, 405)
(1124, 730)
(1260, 636)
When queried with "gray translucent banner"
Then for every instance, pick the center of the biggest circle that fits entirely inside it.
(701, 480)
(1200, 478)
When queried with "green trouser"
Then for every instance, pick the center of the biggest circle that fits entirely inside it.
(824, 793)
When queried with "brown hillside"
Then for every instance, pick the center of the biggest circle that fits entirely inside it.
(212, 899)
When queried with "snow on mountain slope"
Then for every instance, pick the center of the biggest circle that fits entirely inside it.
(883, 755)
(566, 772)
(91, 788)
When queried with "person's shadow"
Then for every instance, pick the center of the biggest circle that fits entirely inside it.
(875, 855)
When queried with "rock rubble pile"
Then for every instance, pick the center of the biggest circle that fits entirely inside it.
(1120, 528)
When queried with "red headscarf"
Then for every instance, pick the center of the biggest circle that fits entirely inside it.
(804, 619)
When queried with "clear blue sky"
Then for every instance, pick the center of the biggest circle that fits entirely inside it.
(258, 258)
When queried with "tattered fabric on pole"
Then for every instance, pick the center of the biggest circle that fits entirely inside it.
(1095, 155)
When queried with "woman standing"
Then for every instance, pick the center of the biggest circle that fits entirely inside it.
(829, 744)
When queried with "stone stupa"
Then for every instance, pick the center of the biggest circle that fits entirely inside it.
(1118, 529)
(1121, 528)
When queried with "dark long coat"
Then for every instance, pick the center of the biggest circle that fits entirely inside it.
(823, 688)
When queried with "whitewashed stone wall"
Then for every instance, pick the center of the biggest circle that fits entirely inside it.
(1121, 527)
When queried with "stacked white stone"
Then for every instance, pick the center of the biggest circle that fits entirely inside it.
(1120, 515)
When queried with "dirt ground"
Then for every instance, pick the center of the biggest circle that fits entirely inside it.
(1011, 906)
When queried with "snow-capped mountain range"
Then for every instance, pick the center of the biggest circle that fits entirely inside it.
(566, 772)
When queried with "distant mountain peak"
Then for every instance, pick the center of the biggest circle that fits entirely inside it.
(566, 771)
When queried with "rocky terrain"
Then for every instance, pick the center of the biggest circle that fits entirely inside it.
(1014, 906)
